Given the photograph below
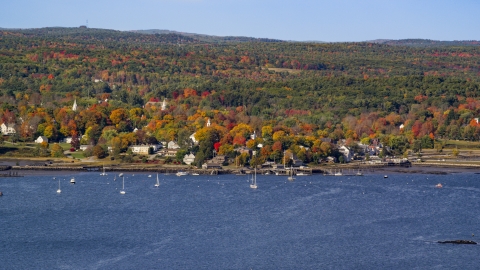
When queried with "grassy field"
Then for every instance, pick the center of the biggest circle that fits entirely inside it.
(461, 144)
(77, 155)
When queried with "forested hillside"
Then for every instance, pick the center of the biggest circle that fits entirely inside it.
(291, 94)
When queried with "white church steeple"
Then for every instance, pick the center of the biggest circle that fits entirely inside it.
(74, 107)
(164, 104)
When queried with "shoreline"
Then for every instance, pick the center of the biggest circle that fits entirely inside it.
(425, 168)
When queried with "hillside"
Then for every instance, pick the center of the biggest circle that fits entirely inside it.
(292, 94)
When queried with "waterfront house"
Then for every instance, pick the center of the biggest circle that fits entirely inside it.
(296, 162)
(346, 152)
(207, 165)
(168, 152)
(189, 159)
(215, 163)
(144, 149)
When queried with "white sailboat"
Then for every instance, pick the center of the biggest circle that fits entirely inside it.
(103, 173)
(254, 180)
(59, 190)
(158, 182)
(290, 177)
(123, 186)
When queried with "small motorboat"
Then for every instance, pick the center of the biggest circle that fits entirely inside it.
(181, 173)
(385, 176)
(72, 181)
(439, 185)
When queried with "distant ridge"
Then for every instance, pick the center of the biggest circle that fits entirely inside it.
(162, 36)
(208, 38)
(83, 34)
(425, 42)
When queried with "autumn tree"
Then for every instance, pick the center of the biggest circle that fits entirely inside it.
(56, 151)
(99, 152)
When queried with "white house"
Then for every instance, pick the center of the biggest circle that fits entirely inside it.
(140, 149)
(41, 139)
(143, 149)
(347, 153)
(192, 137)
(68, 140)
(8, 129)
(189, 159)
(172, 145)
(85, 147)
(253, 136)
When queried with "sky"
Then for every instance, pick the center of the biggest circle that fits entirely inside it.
(300, 20)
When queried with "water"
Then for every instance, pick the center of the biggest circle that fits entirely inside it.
(218, 222)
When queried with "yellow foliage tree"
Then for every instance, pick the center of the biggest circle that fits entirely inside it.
(279, 135)
(241, 129)
(57, 151)
(251, 144)
(267, 131)
(225, 149)
(118, 115)
(49, 131)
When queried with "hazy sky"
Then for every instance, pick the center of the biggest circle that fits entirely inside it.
(320, 20)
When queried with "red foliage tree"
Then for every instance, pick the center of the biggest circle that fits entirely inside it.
(217, 146)
(239, 140)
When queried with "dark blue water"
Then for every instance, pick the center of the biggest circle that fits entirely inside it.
(218, 222)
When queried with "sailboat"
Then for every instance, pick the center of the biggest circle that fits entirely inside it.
(291, 178)
(59, 190)
(123, 186)
(158, 182)
(254, 180)
(103, 173)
